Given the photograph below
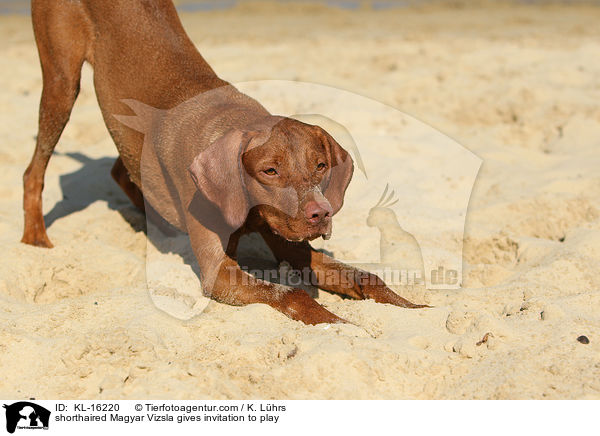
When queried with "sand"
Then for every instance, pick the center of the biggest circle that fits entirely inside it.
(517, 86)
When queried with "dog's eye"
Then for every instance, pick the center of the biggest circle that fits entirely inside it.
(321, 166)
(270, 172)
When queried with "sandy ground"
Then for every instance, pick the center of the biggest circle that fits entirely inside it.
(518, 86)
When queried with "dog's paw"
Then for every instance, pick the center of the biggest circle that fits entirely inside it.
(37, 240)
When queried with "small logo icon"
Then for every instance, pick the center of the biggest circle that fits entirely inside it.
(396, 246)
(26, 415)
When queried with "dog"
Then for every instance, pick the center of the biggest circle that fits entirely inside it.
(220, 164)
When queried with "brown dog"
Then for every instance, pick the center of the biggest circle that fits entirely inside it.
(215, 165)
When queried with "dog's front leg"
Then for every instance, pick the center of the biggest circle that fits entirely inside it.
(224, 281)
(236, 287)
(332, 275)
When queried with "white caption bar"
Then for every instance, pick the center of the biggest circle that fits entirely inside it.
(23, 417)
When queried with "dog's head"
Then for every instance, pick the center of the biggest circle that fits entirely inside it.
(293, 175)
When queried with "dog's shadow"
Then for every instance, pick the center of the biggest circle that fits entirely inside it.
(90, 183)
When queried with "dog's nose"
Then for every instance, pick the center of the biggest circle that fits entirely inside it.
(317, 211)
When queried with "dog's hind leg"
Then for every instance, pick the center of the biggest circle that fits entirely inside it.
(120, 175)
(61, 31)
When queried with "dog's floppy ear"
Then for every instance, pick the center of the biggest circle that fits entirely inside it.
(217, 172)
(341, 167)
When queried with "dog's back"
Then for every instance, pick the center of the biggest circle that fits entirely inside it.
(162, 68)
